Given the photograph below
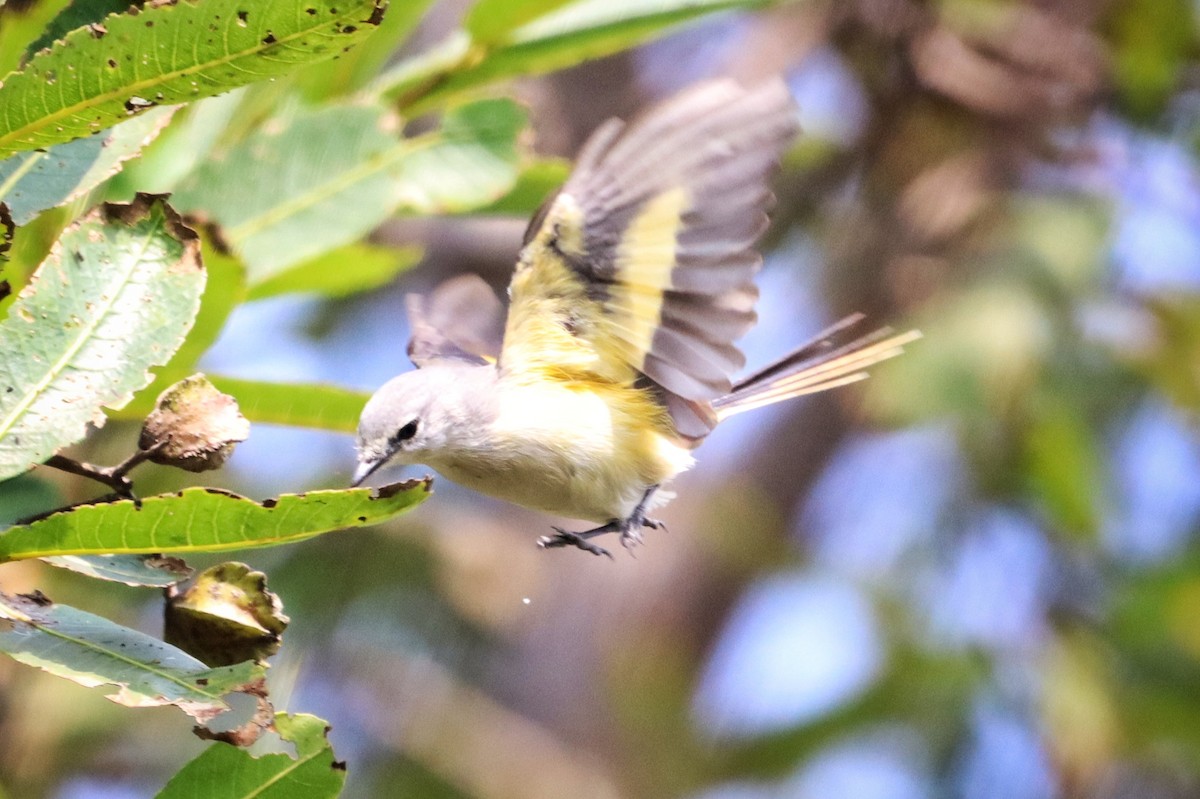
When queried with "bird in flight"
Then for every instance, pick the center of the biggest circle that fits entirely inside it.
(617, 358)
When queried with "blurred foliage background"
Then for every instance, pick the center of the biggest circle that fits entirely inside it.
(976, 575)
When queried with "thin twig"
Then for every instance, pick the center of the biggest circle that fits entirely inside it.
(115, 477)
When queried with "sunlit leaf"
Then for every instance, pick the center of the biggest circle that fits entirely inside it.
(34, 181)
(341, 272)
(227, 772)
(535, 183)
(77, 14)
(1173, 362)
(224, 291)
(492, 20)
(577, 32)
(22, 25)
(292, 192)
(93, 651)
(115, 297)
(352, 71)
(322, 407)
(296, 404)
(100, 75)
(153, 571)
(205, 520)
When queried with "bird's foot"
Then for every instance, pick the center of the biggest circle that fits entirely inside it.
(566, 538)
(629, 529)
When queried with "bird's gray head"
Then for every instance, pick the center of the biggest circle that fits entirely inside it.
(417, 415)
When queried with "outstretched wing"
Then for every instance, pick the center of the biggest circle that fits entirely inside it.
(462, 320)
(641, 267)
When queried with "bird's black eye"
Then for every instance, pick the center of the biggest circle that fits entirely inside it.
(405, 433)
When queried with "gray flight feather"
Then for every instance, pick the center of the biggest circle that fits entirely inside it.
(720, 142)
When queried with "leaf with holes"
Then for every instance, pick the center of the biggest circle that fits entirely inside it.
(116, 296)
(34, 181)
(93, 651)
(167, 54)
(77, 14)
(227, 772)
(205, 520)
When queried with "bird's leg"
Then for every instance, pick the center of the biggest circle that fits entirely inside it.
(630, 530)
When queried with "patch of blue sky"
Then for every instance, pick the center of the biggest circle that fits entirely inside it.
(1156, 241)
(1004, 759)
(796, 647)
(994, 586)
(1156, 460)
(881, 497)
(95, 788)
(789, 313)
(884, 764)
(691, 54)
(832, 104)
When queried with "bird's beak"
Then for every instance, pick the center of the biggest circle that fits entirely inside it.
(364, 470)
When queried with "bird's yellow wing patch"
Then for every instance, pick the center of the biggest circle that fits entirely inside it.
(639, 272)
(564, 324)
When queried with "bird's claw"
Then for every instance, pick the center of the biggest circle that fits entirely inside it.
(631, 531)
(565, 538)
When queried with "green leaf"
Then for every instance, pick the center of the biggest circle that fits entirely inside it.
(34, 181)
(97, 77)
(354, 70)
(345, 271)
(1176, 324)
(195, 135)
(580, 31)
(116, 296)
(492, 20)
(205, 520)
(1063, 466)
(93, 651)
(22, 24)
(473, 161)
(296, 404)
(325, 179)
(291, 192)
(77, 14)
(535, 183)
(227, 772)
(1152, 41)
(152, 571)
(224, 291)
(314, 405)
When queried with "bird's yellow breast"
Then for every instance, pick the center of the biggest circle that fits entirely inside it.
(583, 450)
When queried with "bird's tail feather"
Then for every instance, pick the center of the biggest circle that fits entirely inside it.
(817, 365)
